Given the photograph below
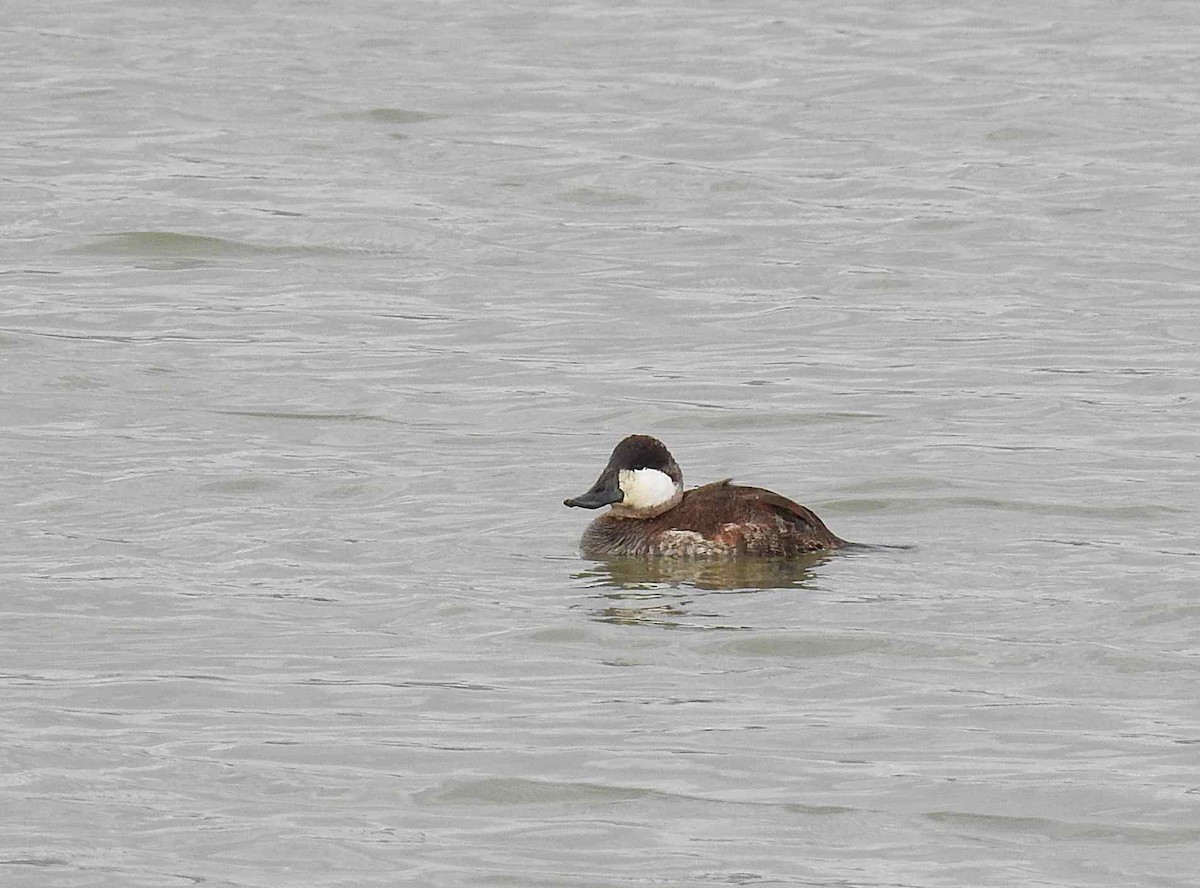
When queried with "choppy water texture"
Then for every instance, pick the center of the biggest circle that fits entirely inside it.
(312, 314)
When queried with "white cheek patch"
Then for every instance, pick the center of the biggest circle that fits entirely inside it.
(645, 488)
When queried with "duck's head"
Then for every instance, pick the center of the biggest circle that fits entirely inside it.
(641, 480)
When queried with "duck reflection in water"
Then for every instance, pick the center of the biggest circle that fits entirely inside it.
(678, 593)
(708, 574)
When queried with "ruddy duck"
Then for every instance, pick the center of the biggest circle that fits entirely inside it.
(652, 514)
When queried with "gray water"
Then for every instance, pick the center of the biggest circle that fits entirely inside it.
(312, 314)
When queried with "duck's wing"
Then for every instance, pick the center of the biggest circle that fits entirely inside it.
(715, 508)
(789, 509)
(750, 519)
(803, 520)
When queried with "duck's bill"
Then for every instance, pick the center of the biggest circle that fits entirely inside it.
(604, 492)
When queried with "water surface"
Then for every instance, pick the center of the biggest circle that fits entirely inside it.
(312, 316)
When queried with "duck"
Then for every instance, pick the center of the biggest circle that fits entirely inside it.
(650, 514)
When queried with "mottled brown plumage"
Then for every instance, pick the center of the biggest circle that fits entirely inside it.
(720, 519)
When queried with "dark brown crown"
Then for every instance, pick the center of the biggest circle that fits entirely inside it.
(645, 452)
